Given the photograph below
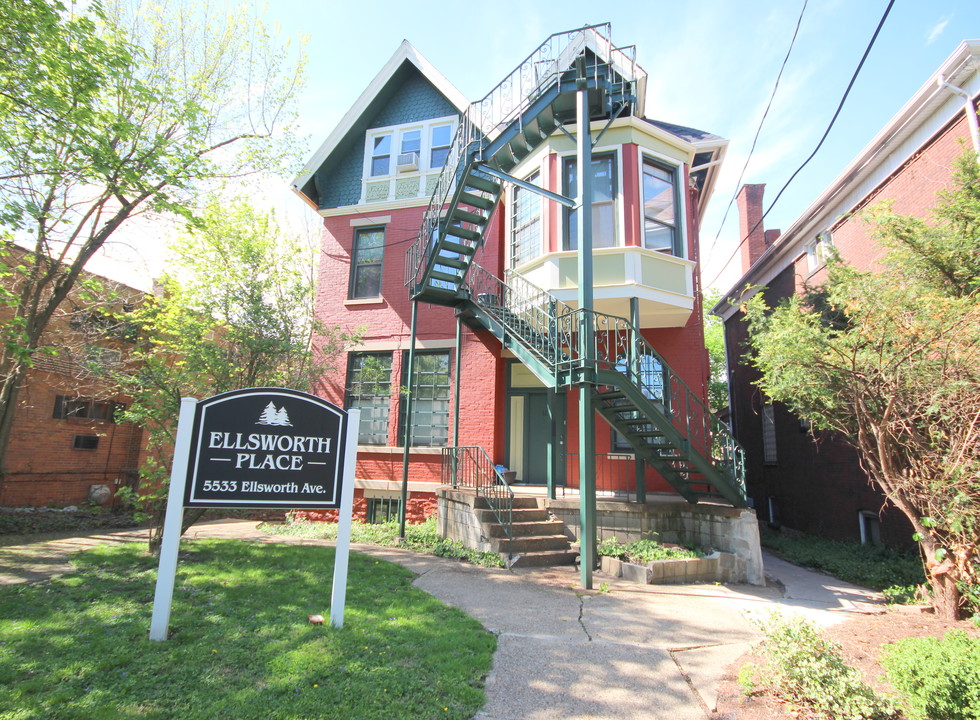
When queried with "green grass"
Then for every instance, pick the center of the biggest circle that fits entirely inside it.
(870, 566)
(421, 537)
(240, 643)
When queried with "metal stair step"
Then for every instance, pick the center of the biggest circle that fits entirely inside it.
(481, 183)
(452, 262)
(479, 201)
(453, 247)
(462, 232)
(460, 215)
(445, 277)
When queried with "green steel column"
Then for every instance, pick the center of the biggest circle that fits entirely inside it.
(638, 464)
(459, 355)
(586, 413)
(407, 438)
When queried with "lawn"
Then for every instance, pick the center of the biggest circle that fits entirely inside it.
(240, 644)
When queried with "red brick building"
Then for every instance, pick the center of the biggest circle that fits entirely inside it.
(795, 478)
(505, 387)
(66, 440)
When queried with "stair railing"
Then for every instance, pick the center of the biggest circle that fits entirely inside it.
(620, 347)
(525, 310)
(471, 467)
(485, 118)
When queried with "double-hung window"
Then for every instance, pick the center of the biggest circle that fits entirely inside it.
(367, 259)
(603, 201)
(525, 223)
(439, 142)
(410, 148)
(430, 399)
(380, 155)
(369, 390)
(660, 208)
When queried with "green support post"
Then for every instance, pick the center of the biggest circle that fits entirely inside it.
(638, 464)
(407, 438)
(459, 355)
(586, 412)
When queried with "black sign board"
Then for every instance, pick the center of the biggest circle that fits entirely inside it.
(266, 448)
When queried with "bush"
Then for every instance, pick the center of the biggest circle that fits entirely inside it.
(807, 669)
(870, 566)
(641, 552)
(421, 537)
(940, 679)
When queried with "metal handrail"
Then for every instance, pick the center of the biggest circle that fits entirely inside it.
(471, 467)
(484, 119)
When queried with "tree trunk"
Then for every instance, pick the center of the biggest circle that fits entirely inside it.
(945, 596)
(8, 408)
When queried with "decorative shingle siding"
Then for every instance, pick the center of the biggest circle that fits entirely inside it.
(338, 183)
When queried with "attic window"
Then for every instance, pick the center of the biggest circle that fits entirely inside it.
(381, 155)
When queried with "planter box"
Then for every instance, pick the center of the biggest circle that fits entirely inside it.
(717, 567)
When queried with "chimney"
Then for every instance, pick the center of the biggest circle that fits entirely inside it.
(772, 236)
(751, 233)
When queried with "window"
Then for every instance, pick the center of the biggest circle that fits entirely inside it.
(525, 223)
(603, 201)
(818, 250)
(410, 149)
(441, 139)
(101, 357)
(369, 390)
(366, 263)
(380, 155)
(870, 527)
(660, 209)
(79, 408)
(652, 375)
(85, 442)
(618, 443)
(430, 399)
(768, 435)
(383, 509)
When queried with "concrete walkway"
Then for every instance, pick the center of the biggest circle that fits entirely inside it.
(629, 651)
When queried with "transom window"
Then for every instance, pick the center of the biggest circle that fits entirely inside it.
(603, 201)
(430, 399)
(525, 223)
(369, 390)
(660, 208)
(367, 257)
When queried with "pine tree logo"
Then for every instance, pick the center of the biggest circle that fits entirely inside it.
(272, 416)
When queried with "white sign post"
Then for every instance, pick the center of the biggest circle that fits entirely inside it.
(172, 522)
(338, 597)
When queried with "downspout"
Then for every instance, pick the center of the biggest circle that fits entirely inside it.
(969, 109)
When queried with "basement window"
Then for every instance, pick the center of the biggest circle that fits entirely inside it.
(870, 527)
(383, 509)
(85, 442)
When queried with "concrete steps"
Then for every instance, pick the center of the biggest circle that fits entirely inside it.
(538, 540)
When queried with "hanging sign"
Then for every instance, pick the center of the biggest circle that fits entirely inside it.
(266, 448)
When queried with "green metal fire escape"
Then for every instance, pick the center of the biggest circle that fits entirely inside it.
(630, 384)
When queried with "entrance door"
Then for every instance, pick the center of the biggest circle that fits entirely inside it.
(537, 439)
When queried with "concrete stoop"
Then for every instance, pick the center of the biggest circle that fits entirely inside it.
(538, 539)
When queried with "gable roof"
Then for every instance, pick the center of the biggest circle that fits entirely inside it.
(406, 53)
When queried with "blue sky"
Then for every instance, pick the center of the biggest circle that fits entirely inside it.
(711, 65)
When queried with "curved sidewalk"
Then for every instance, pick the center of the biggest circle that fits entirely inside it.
(625, 651)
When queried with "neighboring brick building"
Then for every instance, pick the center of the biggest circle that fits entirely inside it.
(795, 479)
(65, 440)
(371, 181)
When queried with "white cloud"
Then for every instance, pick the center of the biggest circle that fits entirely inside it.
(937, 29)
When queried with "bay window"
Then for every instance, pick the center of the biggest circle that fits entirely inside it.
(660, 209)
(604, 192)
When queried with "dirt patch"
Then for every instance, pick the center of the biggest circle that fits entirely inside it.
(861, 638)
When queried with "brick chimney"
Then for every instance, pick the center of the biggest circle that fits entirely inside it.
(751, 233)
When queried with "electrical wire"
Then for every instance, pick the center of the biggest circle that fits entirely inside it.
(775, 87)
(833, 120)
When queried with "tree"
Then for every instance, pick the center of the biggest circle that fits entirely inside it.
(714, 342)
(235, 311)
(106, 114)
(891, 360)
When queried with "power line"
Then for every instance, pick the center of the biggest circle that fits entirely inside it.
(833, 120)
(775, 87)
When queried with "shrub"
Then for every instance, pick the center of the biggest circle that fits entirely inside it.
(940, 679)
(807, 669)
(644, 551)
(870, 566)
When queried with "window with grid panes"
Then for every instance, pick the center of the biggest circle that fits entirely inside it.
(430, 399)
(660, 209)
(525, 223)
(382, 510)
(369, 390)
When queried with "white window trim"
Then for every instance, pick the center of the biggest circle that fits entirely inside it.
(509, 220)
(425, 128)
(679, 191)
